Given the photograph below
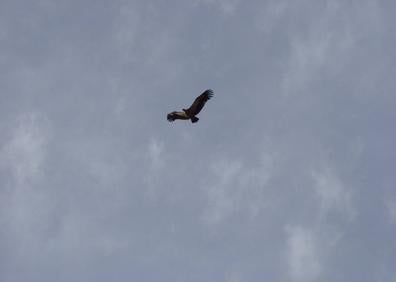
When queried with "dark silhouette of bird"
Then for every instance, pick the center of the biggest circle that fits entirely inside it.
(193, 110)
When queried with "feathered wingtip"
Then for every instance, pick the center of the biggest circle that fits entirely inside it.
(208, 93)
(170, 117)
(194, 119)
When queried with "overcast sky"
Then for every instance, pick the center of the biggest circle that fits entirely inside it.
(288, 176)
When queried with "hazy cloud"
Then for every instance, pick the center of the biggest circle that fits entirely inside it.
(391, 209)
(333, 196)
(303, 258)
(288, 175)
(22, 155)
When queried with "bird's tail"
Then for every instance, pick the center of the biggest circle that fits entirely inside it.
(194, 119)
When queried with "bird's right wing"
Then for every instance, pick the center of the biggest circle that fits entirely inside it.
(200, 101)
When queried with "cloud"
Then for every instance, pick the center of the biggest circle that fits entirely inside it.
(222, 199)
(303, 258)
(227, 7)
(128, 27)
(24, 203)
(23, 154)
(333, 196)
(156, 158)
(146, 43)
(97, 185)
(236, 188)
(324, 46)
(390, 205)
(155, 150)
(270, 15)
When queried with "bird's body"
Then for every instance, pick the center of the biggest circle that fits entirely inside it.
(193, 110)
(181, 115)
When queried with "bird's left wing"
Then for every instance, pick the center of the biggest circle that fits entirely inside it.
(200, 101)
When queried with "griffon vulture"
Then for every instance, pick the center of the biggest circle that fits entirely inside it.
(193, 110)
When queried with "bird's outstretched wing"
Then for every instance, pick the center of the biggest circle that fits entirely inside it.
(199, 102)
(170, 117)
(176, 115)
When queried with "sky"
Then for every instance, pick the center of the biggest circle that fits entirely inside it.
(288, 176)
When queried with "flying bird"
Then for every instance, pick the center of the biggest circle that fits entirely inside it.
(193, 110)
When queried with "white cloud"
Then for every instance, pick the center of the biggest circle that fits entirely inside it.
(233, 276)
(323, 49)
(222, 198)
(24, 207)
(85, 233)
(127, 29)
(156, 161)
(88, 219)
(309, 246)
(236, 188)
(332, 194)
(303, 259)
(271, 14)
(155, 151)
(227, 7)
(391, 209)
(24, 153)
(324, 45)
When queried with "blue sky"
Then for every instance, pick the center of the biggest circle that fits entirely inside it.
(288, 176)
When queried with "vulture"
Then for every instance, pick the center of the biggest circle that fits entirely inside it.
(193, 110)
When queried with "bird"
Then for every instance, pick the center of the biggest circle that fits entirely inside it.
(193, 110)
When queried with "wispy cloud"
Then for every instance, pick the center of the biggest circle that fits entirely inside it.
(303, 258)
(236, 188)
(153, 172)
(333, 195)
(23, 154)
(323, 47)
(227, 7)
(156, 150)
(390, 205)
(222, 198)
(24, 205)
(96, 184)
